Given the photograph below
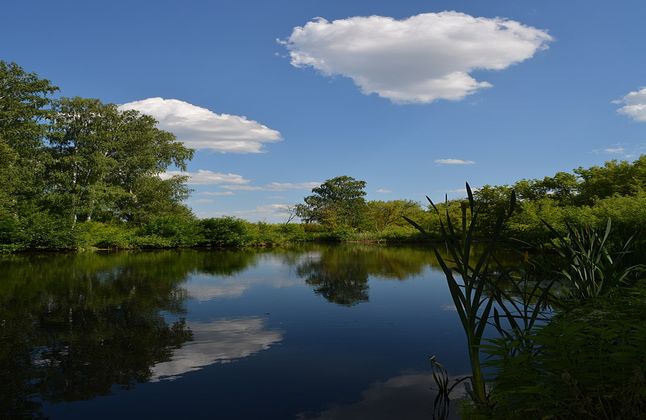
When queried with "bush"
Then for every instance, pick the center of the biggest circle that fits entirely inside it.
(44, 231)
(174, 230)
(104, 236)
(224, 232)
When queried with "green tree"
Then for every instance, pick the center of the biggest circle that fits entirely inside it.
(25, 101)
(105, 163)
(614, 178)
(337, 203)
(382, 215)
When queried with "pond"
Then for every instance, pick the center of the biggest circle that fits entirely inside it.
(319, 332)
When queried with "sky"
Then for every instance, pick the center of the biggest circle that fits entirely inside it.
(414, 97)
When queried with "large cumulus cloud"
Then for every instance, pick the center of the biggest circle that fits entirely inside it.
(416, 60)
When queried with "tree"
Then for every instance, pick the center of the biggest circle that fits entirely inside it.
(614, 178)
(105, 163)
(337, 203)
(386, 214)
(24, 106)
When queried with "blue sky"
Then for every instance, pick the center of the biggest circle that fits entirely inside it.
(549, 107)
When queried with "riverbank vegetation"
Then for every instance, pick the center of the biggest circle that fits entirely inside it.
(81, 174)
(554, 335)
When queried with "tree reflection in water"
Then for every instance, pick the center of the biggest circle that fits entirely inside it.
(74, 326)
(340, 273)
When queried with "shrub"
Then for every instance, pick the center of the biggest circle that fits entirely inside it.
(224, 232)
(103, 235)
(590, 363)
(176, 230)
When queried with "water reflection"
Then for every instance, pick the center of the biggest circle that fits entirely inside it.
(340, 274)
(217, 342)
(74, 327)
(407, 396)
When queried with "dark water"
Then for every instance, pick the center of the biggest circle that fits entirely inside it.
(314, 333)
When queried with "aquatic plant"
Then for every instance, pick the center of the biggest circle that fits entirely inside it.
(592, 267)
(469, 276)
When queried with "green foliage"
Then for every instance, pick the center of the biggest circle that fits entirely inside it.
(470, 277)
(42, 230)
(590, 266)
(104, 163)
(179, 230)
(383, 215)
(224, 232)
(104, 236)
(337, 203)
(589, 363)
(72, 160)
(24, 111)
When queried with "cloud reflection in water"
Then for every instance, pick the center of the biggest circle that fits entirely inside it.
(219, 341)
(407, 396)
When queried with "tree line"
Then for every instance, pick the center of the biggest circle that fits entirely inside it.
(586, 196)
(79, 173)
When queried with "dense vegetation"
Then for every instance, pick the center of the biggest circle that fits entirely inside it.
(81, 174)
(559, 328)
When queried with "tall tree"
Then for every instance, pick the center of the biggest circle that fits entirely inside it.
(337, 203)
(25, 101)
(105, 163)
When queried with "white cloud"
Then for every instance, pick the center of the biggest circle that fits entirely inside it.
(416, 60)
(454, 162)
(614, 150)
(274, 186)
(383, 191)
(275, 213)
(243, 187)
(206, 292)
(634, 105)
(205, 287)
(217, 193)
(200, 128)
(205, 177)
(202, 201)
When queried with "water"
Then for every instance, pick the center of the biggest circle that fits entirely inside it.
(309, 333)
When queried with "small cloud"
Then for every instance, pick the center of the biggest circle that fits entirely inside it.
(457, 191)
(205, 177)
(217, 193)
(274, 186)
(242, 187)
(420, 59)
(454, 162)
(620, 151)
(201, 128)
(202, 201)
(278, 212)
(634, 105)
(383, 191)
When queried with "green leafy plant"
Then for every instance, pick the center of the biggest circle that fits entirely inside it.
(468, 275)
(592, 267)
(588, 363)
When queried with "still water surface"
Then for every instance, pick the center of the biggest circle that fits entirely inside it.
(339, 332)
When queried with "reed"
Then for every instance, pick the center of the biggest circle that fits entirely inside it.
(469, 276)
